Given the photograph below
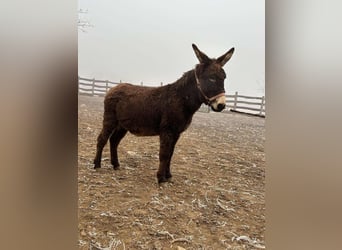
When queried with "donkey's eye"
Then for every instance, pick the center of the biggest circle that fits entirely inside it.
(212, 79)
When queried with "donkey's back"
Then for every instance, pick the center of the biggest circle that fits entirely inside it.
(135, 108)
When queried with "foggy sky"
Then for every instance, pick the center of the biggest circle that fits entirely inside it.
(150, 40)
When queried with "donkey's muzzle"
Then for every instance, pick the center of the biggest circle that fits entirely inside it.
(221, 107)
(219, 103)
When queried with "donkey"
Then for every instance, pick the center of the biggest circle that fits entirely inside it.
(165, 111)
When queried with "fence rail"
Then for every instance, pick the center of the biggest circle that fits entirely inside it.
(236, 103)
(93, 87)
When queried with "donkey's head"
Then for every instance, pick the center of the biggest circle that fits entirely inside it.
(210, 78)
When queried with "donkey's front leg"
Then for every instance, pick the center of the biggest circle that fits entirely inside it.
(167, 145)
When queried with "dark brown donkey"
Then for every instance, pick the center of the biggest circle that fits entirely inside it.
(165, 111)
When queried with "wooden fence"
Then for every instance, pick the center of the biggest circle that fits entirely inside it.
(236, 103)
(246, 104)
(93, 87)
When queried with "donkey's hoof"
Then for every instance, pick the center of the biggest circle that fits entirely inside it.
(97, 166)
(116, 167)
(161, 180)
(164, 179)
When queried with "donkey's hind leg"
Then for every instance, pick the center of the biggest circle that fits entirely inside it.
(102, 139)
(114, 140)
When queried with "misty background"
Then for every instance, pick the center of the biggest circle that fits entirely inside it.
(150, 41)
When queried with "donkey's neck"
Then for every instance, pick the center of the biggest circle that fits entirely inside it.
(186, 88)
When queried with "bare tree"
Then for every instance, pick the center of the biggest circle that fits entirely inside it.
(82, 23)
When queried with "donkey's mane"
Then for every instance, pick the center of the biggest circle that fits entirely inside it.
(185, 80)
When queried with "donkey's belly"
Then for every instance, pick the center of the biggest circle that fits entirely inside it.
(143, 132)
(140, 127)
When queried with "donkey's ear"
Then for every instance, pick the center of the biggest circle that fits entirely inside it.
(225, 58)
(203, 58)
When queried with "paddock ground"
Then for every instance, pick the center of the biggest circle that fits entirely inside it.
(216, 199)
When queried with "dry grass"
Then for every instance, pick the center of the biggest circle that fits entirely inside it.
(216, 199)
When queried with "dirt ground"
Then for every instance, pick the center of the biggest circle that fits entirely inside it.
(216, 199)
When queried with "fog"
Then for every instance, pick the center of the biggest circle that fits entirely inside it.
(150, 41)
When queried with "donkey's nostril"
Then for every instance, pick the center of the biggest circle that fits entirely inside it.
(221, 106)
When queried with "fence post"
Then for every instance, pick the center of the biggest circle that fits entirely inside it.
(161, 84)
(235, 100)
(107, 87)
(93, 87)
(141, 83)
(78, 84)
(262, 105)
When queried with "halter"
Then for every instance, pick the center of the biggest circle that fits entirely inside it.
(208, 100)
